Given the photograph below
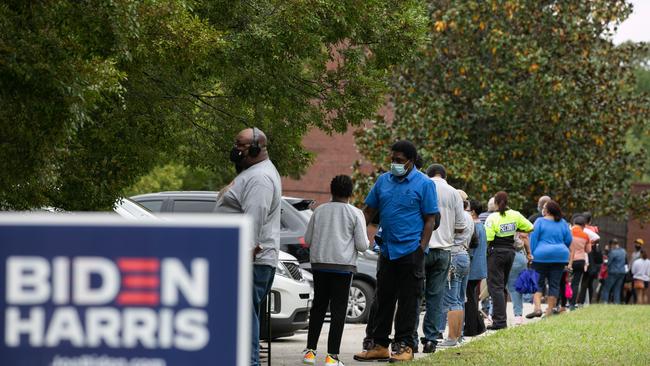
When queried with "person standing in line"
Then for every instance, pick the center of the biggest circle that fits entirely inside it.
(519, 264)
(336, 232)
(370, 323)
(550, 242)
(438, 259)
(474, 324)
(408, 213)
(454, 300)
(540, 206)
(257, 192)
(641, 275)
(638, 246)
(500, 229)
(580, 247)
(594, 260)
(615, 273)
(491, 207)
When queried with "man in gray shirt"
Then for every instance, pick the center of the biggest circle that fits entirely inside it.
(438, 260)
(257, 192)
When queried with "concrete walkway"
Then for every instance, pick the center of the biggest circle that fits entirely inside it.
(288, 351)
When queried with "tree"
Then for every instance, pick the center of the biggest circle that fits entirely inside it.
(94, 94)
(526, 96)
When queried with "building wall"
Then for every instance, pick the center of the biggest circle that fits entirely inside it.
(335, 155)
(635, 229)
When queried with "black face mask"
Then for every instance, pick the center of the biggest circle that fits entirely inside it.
(236, 155)
(637, 247)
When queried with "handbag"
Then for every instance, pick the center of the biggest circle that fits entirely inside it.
(527, 282)
(639, 285)
(568, 291)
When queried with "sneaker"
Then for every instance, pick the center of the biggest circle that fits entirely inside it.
(401, 352)
(448, 343)
(333, 360)
(534, 314)
(376, 353)
(519, 320)
(309, 357)
(429, 347)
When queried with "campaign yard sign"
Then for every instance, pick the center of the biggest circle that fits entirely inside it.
(96, 290)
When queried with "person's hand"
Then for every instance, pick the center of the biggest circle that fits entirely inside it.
(256, 251)
(530, 257)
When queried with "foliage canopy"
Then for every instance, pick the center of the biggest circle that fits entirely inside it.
(95, 93)
(526, 96)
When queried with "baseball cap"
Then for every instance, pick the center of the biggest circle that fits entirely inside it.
(640, 241)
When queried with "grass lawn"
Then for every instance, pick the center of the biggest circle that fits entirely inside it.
(595, 335)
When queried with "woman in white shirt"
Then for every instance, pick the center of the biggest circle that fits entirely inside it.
(641, 275)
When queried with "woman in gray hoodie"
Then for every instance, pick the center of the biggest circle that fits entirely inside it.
(335, 233)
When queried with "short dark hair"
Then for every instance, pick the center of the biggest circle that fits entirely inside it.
(341, 186)
(407, 148)
(587, 216)
(476, 206)
(579, 220)
(436, 169)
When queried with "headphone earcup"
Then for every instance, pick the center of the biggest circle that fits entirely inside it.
(253, 151)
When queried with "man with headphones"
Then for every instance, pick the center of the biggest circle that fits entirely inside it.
(256, 191)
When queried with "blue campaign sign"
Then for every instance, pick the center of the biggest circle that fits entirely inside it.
(97, 290)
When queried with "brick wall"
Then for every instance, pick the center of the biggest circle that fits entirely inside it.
(334, 155)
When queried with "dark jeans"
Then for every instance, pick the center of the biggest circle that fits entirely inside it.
(330, 289)
(372, 313)
(474, 324)
(398, 282)
(499, 262)
(262, 283)
(578, 268)
(587, 284)
(436, 267)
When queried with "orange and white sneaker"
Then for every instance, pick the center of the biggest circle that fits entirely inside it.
(309, 357)
(333, 360)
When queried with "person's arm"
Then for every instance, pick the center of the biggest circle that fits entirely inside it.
(459, 223)
(525, 238)
(523, 224)
(369, 213)
(361, 242)
(489, 229)
(256, 202)
(309, 234)
(429, 222)
(372, 204)
(534, 237)
(572, 251)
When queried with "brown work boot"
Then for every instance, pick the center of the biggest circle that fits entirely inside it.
(377, 353)
(401, 352)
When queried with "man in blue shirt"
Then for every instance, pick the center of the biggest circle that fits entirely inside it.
(406, 202)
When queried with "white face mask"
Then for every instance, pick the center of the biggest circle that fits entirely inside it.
(397, 170)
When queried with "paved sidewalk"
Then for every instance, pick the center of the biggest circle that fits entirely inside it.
(288, 351)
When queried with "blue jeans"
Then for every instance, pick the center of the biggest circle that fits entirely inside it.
(436, 266)
(518, 266)
(457, 283)
(262, 282)
(613, 282)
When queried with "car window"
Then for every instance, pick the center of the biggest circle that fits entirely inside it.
(195, 206)
(152, 205)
